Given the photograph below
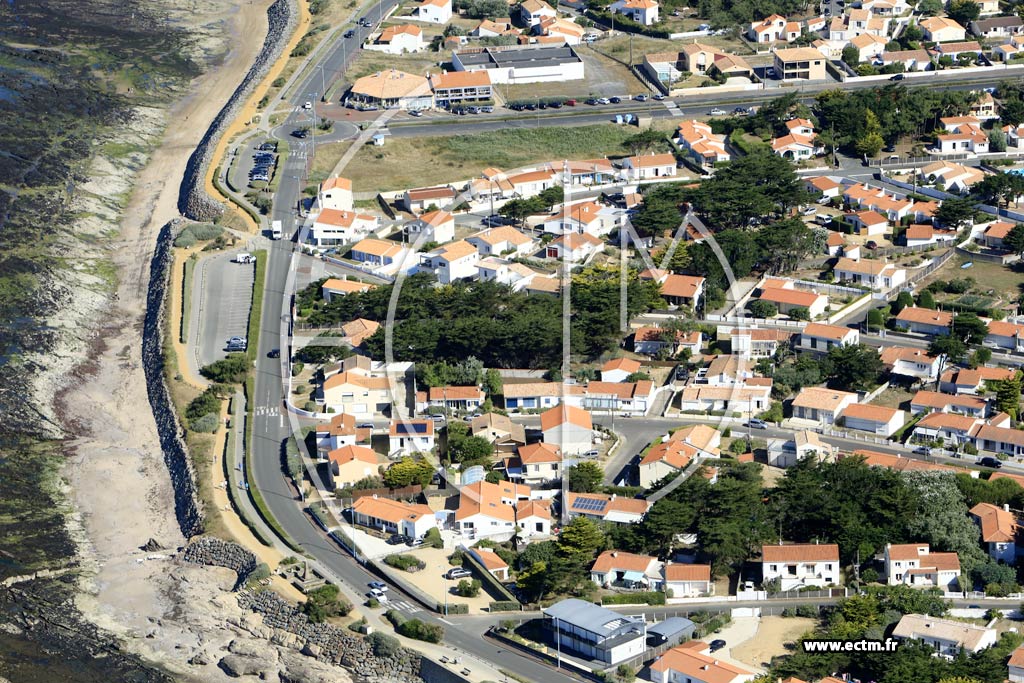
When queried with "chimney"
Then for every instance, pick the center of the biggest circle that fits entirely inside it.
(1006, 506)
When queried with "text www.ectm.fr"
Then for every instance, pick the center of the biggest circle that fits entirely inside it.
(887, 645)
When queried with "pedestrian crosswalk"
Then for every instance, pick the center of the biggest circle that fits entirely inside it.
(263, 411)
(404, 606)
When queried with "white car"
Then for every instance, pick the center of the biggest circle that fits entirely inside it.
(603, 100)
(717, 112)
(307, 105)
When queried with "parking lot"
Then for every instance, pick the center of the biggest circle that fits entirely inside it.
(223, 290)
(247, 167)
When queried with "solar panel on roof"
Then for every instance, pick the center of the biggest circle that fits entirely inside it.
(590, 504)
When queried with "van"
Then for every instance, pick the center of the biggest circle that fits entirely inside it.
(244, 257)
(275, 230)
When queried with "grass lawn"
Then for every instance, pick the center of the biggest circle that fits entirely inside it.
(370, 62)
(415, 162)
(894, 397)
(1003, 281)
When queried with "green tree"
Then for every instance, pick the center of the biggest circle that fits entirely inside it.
(492, 382)
(325, 602)
(1007, 394)
(644, 141)
(1014, 240)
(996, 140)
(468, 589)
(760, 308)
(470, 449)
(942, 518)
(963, 12)
(871, 141)
(955, 212)
(903, 299)
(752, 187)
(584, 477)
(969, 328)
(981, 356)
(953, 348)
(875, 319)
(408, 471)
(579, 541)
(853, 367)
(930, 8)
(851, 55)
(926, 300)
(232, 369)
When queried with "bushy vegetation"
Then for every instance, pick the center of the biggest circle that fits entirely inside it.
(325, 602)
(414, 628)
(405, 562)
(384, 646)
(486, 321)
(232, 369)
(197, 232)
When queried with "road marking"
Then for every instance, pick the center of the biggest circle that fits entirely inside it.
(445, 621)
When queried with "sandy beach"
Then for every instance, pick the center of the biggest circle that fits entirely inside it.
(120, 485)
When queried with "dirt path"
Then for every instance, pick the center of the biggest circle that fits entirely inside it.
(119, 481)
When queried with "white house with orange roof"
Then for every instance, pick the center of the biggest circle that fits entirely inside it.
(531, 183)
(821, 404)
(692, 662)
(942, 29)
(619, 569)
(999, 531)
(969, 138)
(533, 517)
(804, 444)
(688, 580)
(532, 12)
(934, 401)
(772, 29)
(574, 247)
(491, 562)
(972, 380)
(568, 31)
(455, 398)
(924, 320)
(787, 298)
(869, 46)
(668, 458)
(641, 11)
(435, 11)
(335, 193)
(1005, 335)
(628, 398)
(568, 427)
(946, 428)
(333, 226)
(350, 463)
(1015, 666)
(393, 516)
(911, 362)
(682, 290)
(503, 241)
(582, 216)
(413, 435)
(489, 510)
(825, 187)
(701, 144)
(336, 287)
(914, 564)
(434, 226)
(420, 199)
(876, 274)
(821, 338)
(650, 340)
(920, 234)
(540, 463)
(398, 39)
(340, 431)
(515, 275)
(878, 420)
(351, 392)
(649, 166)
(355, 332)
(797, 565)
(993, 235)
(619, 369)
(451, 262)
(381, 256)
(869, 223)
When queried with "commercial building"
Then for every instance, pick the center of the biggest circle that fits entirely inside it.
(461, 87)
(392, 89)
(595, 632)
(800, 63)
(529, 64)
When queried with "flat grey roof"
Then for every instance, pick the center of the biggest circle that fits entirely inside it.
(587, 616)
(520, 59)
(672, 626)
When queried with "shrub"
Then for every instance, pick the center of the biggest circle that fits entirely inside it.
(325, 602)
(297, 369)
(185, 240)
(456, 559)
(203, 404)
(358, 626)
(207, 424)
(468, 588)
(206, 231)
(383, 645)
(261, 572)
(404, 562)
(278, 82)
(230, 370)
(649, 597)
(414, 628)
(433, 538)
(505, 606)
(452, 608)
(809, 611)
(762, 309)
(869, 575)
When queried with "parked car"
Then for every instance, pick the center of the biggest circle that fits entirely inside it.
(570, 103)
(437, 418)
(415, 112)
(268, 147)
(660, 97)
(495, 220)
(396, 539)
(349, 33)
(603, 100)
(740, 111)
(274, 353)
(614, 100)
(897, 77)
(703, 27)
(717, 112)
(244, 257)
(755, 423)
(487, 110)
(591, 454)
(716, 644)
(641, 98)
(809, 211)
(457, 573)
(555, 105)
(307, 105)
(378, 585)
(922, 450)
(871, 244)
(591, 101)
(989, 461)
(300, 133)
(364, 425)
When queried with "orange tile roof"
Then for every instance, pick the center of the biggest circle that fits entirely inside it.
(675, 454)
(358, 330)
(539, 452)
(693, 665)
(398, 427)
(390, 84)
(822, 398)
(935, 399)
(1017, 657)
(866, 411)
(347, 286)
(460, 79)
(377, 247)
(687, 572)
(389, 33)
(485, 498)
(652, 160)
(698, 436)
(533, 508)
(997, 525)
(800, 552)
(792, 297)
(895, 462)
(559, 415)
(336, 182)
(685, 286)
(455, 394)
(1019, 479)
(619, 559)
(347, 454)
(949, 421)
(627, 365)
(826, 331)
(892, 354)
(489, 559)
(927, 316)
(393, 511)
(637, 506)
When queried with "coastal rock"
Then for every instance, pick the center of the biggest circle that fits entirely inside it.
(298, 669)
(237, 666)
(151, 546)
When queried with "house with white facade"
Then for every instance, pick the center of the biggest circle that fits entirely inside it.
(821, 404)
(1005, 335)
(688, 580)
(643, 12)
(532, 12)
(602, 507)
(924, 320)
(692, 662)
(820, 338)
(937, 402)
(617, 568)
(619, 369)
(876, 274)
(504, 241)
(515, 275)
(914, 564)
(911, 362)
(574, 247)
(804, 444)
(451, 262)
(397, 40)
(393, 516)
(434, 226)
(489, 510)
(411, 436)
(942, 29)
(649, 166)
(568, 427)
(435, 11)
(948, 637)
(334, 226)
(999, 531)
(540, 463)
(877, 420)
(335, 193)
(797, 565)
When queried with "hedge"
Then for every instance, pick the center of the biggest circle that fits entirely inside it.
(453, 608)
(650, 598)
(505, 606)
(406, 562)
(624, 23)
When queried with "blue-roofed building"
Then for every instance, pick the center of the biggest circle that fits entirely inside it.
(590, 631)
(672, 630)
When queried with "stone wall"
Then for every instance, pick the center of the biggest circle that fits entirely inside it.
(193, 201)
(329, 643)
(214, 552)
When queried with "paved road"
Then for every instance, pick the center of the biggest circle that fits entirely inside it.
(223, 291)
